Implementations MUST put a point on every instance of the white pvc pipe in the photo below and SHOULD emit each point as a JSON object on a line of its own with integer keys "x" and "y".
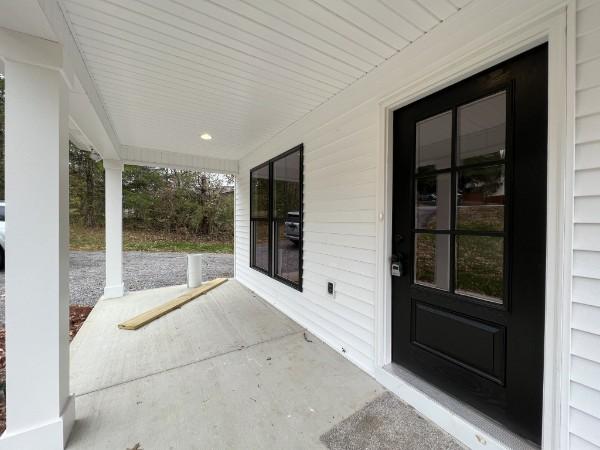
{"x": 194, "y": 270}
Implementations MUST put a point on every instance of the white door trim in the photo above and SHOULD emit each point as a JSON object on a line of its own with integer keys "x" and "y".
{"x": 528, "y": 30}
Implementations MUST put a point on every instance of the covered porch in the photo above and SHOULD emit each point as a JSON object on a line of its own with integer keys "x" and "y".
{"x": 302, "y": 96}
{"x": 227, "y": 370}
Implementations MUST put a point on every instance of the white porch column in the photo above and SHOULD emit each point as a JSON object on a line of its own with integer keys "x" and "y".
{"x": 40, "y": 411}
{"x": 113, "y": 195}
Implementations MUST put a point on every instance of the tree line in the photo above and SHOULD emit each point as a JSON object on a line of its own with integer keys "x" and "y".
{"x": 184, "y": 202}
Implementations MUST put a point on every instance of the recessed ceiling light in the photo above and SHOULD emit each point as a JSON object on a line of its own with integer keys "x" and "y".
{"x": 206, "y": 136}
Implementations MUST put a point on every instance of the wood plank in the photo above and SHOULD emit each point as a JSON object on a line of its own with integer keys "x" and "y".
{"x": 159, "y": 311}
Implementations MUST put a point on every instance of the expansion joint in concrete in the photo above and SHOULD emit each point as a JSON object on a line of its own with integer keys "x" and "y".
{"x": 191, "y": 363}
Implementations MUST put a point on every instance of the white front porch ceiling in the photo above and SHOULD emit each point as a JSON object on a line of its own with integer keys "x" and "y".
{"x": 169, "y": 70}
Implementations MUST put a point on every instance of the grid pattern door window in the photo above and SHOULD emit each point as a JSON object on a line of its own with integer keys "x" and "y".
{"x": 460, "y": 178}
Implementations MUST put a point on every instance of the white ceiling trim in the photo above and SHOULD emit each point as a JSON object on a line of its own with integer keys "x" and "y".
{"x": 158, "y": 158}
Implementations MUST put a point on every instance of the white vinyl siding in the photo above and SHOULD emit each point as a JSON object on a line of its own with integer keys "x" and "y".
{"x": 341, "y": 140}
{"x": 339, "y": 235}
{"x": 585, "y": 315}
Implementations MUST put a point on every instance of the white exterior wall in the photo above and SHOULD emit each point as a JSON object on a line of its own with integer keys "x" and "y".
{"x": 341, "y": 141}
{"x": 341, "y": 184}
{"x": 585, "y": 321}
{"x": 339, "y": 235}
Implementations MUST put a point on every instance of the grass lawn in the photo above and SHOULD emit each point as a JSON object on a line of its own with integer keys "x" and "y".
{"x": 91, "y": 239}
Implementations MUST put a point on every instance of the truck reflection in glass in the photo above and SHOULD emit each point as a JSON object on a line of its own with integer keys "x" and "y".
{"x": 292, "y": 227}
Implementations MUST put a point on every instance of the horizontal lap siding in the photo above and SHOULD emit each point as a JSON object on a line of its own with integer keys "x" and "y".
{"x": 339, "y": 234}
{"x": 585, "y": 315}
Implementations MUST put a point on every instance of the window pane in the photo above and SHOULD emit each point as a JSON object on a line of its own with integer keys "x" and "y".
{"x": 480, "y": 267}
{"x": 433, "y": 202}
{"x": 480, "y": 199}
{"x": 259, "y": 187}
{"x": 288, "y": 251}
{"x": 434, "y": 143}
{"x": 286, "y": 193}
{"x": 260, "y": 236}
{"x": 432, "y": 258}
{"x": 482, "y": 130}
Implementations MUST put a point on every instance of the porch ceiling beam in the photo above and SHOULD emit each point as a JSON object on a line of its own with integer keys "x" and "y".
{"x": 88, "y": 113}
{"x": 25, "y": 48}
{"x": 49, "y": 43}
{"x": 88, "y": 123}
{"x": 140, "y": 156}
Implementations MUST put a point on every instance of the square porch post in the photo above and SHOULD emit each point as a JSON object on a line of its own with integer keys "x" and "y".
{"x": 40, "y": 410}
{"x": 113, "y": 182}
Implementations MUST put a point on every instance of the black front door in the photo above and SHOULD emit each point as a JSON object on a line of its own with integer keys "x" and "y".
{"x": 469, "y": 231}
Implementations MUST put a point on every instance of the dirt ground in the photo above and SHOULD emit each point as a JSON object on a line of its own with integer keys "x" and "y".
{"x": 77, "y": 315}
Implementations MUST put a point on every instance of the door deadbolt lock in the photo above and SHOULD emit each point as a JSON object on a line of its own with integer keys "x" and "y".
{"x": 397, "y": 269}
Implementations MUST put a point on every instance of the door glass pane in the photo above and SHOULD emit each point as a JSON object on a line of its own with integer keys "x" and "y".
{"x": 480, "y": 199}
{"x": 288, "y": 251}
{"x": 480, "y": 267}
{"x": 259, "y": 191}
{"x": 482, "y": 130}
{"x": 434, "y": 143}
{"x": 260, "y": 235}
{"x": 433, "y": 202}
{"x": 432, "y": 257}
{"x": 286, "y": 187}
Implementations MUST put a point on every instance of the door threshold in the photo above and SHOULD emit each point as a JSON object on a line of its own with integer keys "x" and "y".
{"x": 466, "y": 424}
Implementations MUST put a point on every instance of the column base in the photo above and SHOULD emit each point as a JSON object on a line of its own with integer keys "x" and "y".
{"x": 52, "y": 435}
{"x": 114, "y": 291}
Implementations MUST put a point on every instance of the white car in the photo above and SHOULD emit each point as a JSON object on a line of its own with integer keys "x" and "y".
{"x": 2, "y": 235}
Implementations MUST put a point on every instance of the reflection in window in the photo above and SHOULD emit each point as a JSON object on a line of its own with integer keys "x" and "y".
{"x": 431, "y": 260}
{"x": 480, "y": 199}
{"x": 286, "y": 211}
{"x": 482, "y": 130}
{"x": 433, "y": 202}
{"x": 472, "y": 223}
{"x": 260, "y": 244}
{"x": 434, "y": 143}
{"x": 288, "y": 251}
{"x": 480, "y": 267}
{"x": 286, "y": 190}
{"x": 259, "y": 187}
{"x": 278, "y": 183}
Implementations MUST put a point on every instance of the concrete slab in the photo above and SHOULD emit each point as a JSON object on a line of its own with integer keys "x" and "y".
{"x": 225, "y": 319}
{"x": 225, "y": 371}
{"x": 283, "y": 393}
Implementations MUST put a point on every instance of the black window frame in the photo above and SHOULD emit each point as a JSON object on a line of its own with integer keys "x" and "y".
{"x": 455, "y": 168}
{"x": 273, "y": 221}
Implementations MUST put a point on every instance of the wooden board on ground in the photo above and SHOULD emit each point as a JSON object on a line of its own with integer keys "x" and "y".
{"x": 159, "y": 311}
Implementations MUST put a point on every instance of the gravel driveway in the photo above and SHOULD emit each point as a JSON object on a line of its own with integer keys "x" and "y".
{"x": 141, "y": 270}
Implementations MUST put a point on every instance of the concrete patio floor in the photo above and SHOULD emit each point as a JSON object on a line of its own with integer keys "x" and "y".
{"x": 225, "y": 371}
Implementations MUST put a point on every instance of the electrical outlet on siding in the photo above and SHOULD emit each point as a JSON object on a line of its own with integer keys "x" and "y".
{"x": 331, "y": 288}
